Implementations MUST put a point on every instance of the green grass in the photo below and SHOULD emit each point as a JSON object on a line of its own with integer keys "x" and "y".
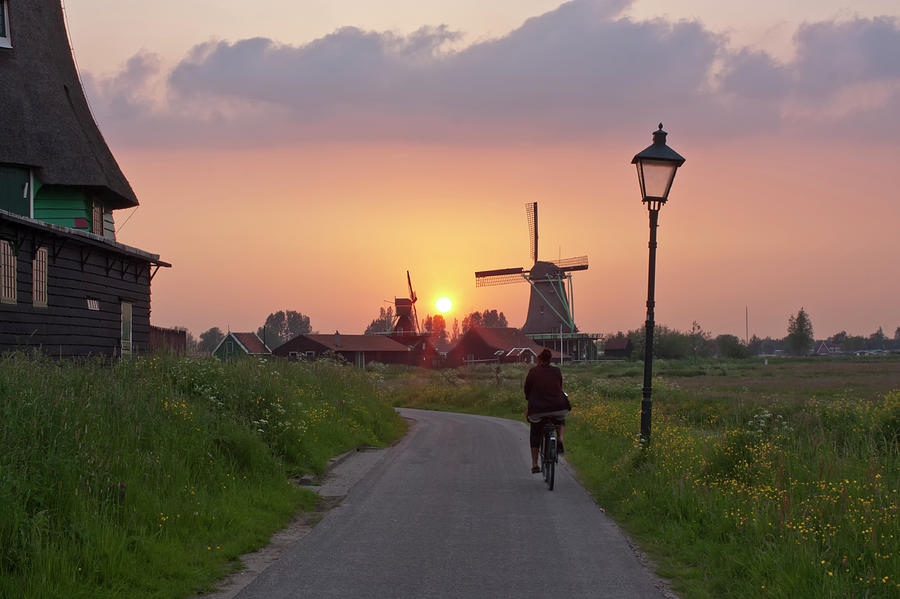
{"x": 149, "y": 477}
{"x": 760, "y": 481}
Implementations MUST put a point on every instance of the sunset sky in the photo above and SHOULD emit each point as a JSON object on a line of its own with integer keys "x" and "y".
{"x": 305, "y": 154}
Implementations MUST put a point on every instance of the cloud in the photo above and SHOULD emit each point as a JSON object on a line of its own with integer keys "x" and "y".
{"x": 126, "y": 95}
{"x": 577, "y": 72}
{"x": 834, "y": 55}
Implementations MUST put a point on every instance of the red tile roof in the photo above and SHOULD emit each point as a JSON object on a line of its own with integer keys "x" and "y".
{"x": 251, "y": 343}
{"x": 341, "y": 342}
{"x": 508, "y": 339}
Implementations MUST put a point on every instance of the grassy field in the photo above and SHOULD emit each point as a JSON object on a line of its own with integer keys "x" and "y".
{"x": 149, "y": 477}
{"x": 775, "y": 480}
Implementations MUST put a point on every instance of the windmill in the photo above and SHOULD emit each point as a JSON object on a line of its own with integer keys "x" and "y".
{"x": 550, "y": 307}
{"x": 405, "y": 318}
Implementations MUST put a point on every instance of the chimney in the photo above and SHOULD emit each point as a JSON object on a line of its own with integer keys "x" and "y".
{"x": 337, "y": 339}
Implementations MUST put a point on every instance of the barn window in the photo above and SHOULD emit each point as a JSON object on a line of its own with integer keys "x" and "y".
{"x": 5, "y": 41}
{"x": 97, "y": 219}
{"x": 310, "y": 355}
{"x": 126, "y": 329}
{"x": 39, "y": 279}
{"x": 93, "y": 304}
{"x": 8, "y": 269}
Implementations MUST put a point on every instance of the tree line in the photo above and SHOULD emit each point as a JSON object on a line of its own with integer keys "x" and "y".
{"x": 799, "y": 341}
{"x": 282, "y": 326}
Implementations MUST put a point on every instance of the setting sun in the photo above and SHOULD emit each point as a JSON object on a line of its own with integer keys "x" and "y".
{"x": 443, "y": 304}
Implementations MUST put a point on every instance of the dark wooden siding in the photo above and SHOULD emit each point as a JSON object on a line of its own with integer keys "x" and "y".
{"x": 76, "y": 272}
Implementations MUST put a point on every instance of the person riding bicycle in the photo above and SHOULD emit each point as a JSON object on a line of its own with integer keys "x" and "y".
{"x": 545, "y": 397}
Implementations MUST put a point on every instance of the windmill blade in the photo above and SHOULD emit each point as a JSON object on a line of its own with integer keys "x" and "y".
{"x": 570, "y": 264}
{"x": 500, "y": 276}
{"x": 531, "y": 215}
{"x": 412, "y": 294}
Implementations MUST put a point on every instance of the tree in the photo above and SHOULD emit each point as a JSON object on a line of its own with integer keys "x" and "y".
{"x": 282, "y": 326}
{"x": 729, "y": 346}
{"x": 454, "y": 337}
{"x": 383, "y": 323}
{"x": 800, "y": 333}
{"x": 210, "y": 339}
{"x": 897, "y": 334}
{"x": 439, "y": 328}
{"x": 191, "y": 345}
{"x": 487, "y": 318}
{"x": 877, "y": 339}
{"x": 700, "y": 341}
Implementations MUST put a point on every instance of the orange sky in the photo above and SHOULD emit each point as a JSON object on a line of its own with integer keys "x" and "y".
{"x": 331, "y": 230}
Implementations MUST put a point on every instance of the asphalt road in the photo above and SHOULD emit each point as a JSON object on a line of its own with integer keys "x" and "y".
{"x": 454, "y": 511}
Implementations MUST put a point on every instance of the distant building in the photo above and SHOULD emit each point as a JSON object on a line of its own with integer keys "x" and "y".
{"x": 67, "y": 287}
{"x": 422, "y": 347}
{"x": 494, "y": 345}
{"x": 359, "y": 350}
{"x": 618, "y": 347}
{"x": 235, "y": 345}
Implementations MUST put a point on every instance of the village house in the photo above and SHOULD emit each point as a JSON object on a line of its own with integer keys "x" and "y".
{"x": 359, "y": 350}
{"x": 494, "y": 345}
{"x": 617, "y": 347}
{"x": 67, "y": 287}
{"x": 235, "y": 345}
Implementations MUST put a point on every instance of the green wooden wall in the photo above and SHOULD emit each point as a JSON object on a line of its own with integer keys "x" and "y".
{"x": 229, "y": 349}
{"x": 61, "y": 206}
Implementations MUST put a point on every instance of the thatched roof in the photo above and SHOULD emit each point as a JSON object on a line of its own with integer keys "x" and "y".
{"x": 45, "y": 122}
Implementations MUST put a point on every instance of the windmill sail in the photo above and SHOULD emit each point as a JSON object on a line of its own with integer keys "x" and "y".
{"x": 531, "y": 215}
{"x": 500, "y": 276}
{"x": 569, "y": 264}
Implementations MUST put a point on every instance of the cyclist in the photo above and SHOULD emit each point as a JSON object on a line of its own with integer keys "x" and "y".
{"x": 545, "y": 397}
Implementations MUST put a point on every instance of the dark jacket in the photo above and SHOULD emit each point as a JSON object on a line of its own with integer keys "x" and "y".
{"x": 543, "y": 390}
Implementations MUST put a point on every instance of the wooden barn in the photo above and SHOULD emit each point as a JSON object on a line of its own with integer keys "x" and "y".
{"x": 359, "y": 350}
{"x": 422, "y": 347}
{"x": 494, "y": 345}
{"x": 67, "y": 287}
{"x": 618, "y": 347}
{"x": 235, "y": 345}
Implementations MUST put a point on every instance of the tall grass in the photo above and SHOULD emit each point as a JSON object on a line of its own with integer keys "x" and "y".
{"x": 760, "y": 481}
{"x": 149, "y": 477}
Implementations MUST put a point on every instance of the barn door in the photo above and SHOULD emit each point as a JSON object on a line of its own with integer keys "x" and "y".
{"x": 126, "y": 329}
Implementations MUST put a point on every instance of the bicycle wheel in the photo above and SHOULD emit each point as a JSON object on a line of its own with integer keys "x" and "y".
{"x": 543, "y": 458}
{"x": 551, "y": 464}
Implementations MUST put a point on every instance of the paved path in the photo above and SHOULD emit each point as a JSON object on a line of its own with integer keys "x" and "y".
{"x": 453, "y": 511}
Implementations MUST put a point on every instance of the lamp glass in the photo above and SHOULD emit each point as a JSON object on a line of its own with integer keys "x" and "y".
{"x": 655, "y": 177}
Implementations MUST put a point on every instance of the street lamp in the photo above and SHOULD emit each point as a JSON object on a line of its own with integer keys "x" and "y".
{"x": 656, "y": 166}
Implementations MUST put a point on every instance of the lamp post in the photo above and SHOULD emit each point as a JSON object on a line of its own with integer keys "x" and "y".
{"x": 656, "y": 166}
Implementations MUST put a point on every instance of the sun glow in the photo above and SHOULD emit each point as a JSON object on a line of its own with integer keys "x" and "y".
{"x": 443, "y": 305}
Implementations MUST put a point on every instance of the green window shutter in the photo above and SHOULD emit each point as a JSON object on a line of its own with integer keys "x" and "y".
{"x": 15, "y": 196}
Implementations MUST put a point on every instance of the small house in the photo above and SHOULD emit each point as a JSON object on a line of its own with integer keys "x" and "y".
{"x": 359, "y": 350}
{"x": 235, "y": 345}
{"x": 494, "y": 345}
{"x": 618, "y": 347}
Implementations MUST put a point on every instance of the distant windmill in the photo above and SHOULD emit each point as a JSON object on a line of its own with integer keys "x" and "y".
{"x": 550, "y": 308}
{"x": 405, "y": 318}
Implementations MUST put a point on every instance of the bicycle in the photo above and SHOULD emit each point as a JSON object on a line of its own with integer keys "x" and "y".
{"x": 547, "y": 451}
